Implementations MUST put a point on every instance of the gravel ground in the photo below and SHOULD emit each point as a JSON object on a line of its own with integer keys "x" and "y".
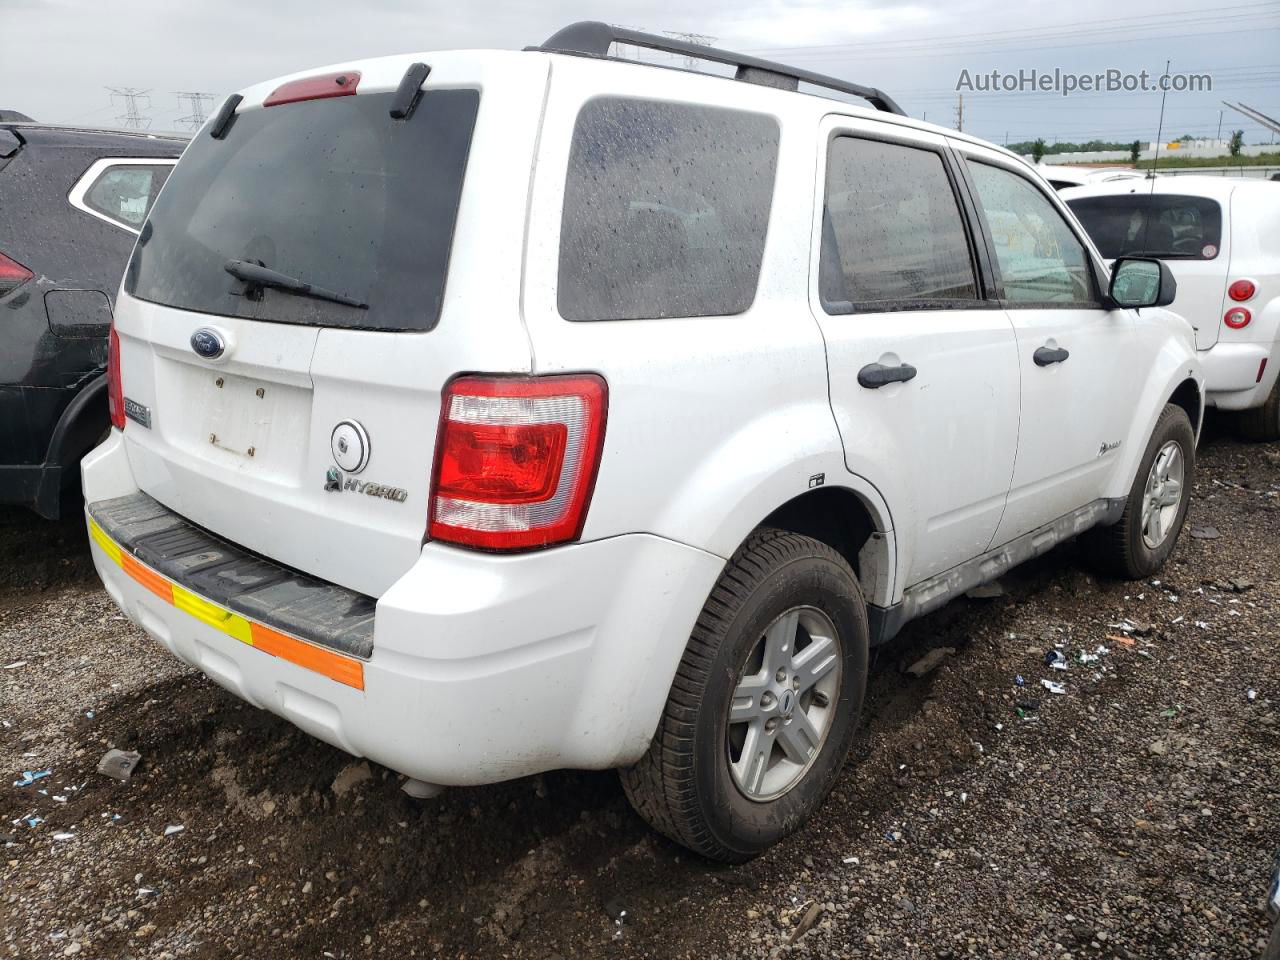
{"x": 1132, "y": 815}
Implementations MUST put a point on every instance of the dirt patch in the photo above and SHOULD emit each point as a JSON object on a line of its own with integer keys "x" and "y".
{"x": 1133, "y": 815}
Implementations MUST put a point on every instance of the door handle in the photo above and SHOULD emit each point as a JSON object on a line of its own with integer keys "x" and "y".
{"x": 1047, "y": 355}
{"x": 875, "y": 375}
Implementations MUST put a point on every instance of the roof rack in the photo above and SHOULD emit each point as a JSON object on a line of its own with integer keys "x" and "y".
{"x": 592, "y": 38}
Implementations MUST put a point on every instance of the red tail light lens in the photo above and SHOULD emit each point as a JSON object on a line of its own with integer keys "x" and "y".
{"x": 115, "y": 390}
{"x": 315, "y": 88}
{"x": 1237, "y": 317}
{"x": 1241, "y": 290}
{"x": 516, "y": 460}
{"x": 12, "y": 274}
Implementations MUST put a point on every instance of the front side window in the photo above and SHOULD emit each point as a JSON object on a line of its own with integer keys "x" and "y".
{"x": 892, "y": 232}
{"x": 1040, "y": 259}
{"x": 1166, "y": 226}
{"x": 124, "y": 193}
{"x": 666, "y": 209}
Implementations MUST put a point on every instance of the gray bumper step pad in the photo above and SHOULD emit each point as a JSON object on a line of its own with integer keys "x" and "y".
{"x": 253, "y": 586}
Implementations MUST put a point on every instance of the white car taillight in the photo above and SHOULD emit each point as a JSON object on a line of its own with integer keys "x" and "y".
{"x": 516, "y": 460}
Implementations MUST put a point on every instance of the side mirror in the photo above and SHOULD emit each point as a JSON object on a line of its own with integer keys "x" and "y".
{"x": 1138, "y": 282}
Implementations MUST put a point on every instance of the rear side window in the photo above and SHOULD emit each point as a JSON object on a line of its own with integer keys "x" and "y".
{"x": 332, "y": 192}
{"x": 1152, "y": 225}
{"x": 665, "y": 212}
{"x": 892, "y": 233}
{"x": 1040, "y": 259}
{"x": 125, "y": 193}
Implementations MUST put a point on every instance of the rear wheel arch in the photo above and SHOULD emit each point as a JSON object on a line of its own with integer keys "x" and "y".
{"x": 847, "y": 522}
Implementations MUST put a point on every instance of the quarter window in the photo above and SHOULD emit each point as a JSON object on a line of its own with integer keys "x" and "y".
{"x": 125, "y": 193}
{"x": 666, "y": 209}
{"x": 1152, "y": 225}
{"x": 892, "y": 232}
{"x": 1040, "y": 259}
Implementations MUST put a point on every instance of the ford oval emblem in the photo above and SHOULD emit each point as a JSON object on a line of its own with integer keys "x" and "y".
{"x": 208, "y": 343}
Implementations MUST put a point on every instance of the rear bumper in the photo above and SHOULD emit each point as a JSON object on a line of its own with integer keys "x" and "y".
{"x": 483, "y": 667}
{"x": 1231, "y": 374}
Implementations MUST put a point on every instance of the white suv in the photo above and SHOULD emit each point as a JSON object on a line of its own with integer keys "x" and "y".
{"x": 484, "y": 413}
{"x": 1221, "y": 239}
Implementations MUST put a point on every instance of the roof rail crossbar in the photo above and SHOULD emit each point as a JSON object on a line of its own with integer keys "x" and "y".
{"x": 593, "y": 38}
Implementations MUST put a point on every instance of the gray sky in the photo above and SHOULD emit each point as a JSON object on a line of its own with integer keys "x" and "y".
{"x": 60, "y": 55}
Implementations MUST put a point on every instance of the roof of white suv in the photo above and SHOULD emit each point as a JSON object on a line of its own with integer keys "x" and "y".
{"x": 1214, "y": 188}
{"x": 383, "y": 73}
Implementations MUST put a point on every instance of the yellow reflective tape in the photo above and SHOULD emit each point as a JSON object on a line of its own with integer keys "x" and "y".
{"x": 215, "y": 616}
{"x": 109, "y": 546}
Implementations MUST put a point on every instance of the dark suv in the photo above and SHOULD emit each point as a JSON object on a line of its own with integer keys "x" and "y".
{"x": 71, "y": 204}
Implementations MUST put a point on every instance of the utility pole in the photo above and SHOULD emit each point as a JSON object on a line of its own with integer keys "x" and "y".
{"x": 1219, "y": 136}
{"x": 199, "y": 103}
{"x": 132, "y": 117}
{"x": 960, "y": 113}
{"x": 625, "y": 50}
{"x": 701, "y": 39}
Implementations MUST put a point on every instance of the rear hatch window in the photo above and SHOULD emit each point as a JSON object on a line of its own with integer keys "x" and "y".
{"x": 1167, "y": 226}
{"x": 331, "y": 192}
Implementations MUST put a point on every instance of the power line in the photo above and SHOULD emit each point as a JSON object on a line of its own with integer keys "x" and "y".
{"x": 132, "y": 98}
{"x": 1042, "y": 31}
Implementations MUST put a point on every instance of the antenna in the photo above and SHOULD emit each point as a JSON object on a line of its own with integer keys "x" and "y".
{"x": 132, "y": 118}
{"x": 1155, "y": 160}
{"x": 199, "y": 103}
{"x": 960, "y": 114}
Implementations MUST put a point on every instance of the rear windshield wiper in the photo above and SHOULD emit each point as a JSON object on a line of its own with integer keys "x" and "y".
{"x": 257, "y": 276}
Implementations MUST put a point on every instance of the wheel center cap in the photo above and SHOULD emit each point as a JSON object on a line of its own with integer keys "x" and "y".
{"x": 786, "y": 704}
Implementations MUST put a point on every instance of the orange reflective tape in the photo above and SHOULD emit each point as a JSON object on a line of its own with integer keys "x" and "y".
{"x": 147, "y": 577}
{"x": 332, "y": 665}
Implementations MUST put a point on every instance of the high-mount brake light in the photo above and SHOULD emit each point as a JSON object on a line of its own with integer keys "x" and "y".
{"x": 12, "y": 274}
{"x": 1237, "y": 318}
{"x": 1241, "y": 290}
{"x": 115, "y": 389}
{"x": 516, "y": 460}
{"x": 315, "y": 88}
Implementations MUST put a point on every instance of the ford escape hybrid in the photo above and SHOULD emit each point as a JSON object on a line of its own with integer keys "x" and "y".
{"x": 484, "y": 413}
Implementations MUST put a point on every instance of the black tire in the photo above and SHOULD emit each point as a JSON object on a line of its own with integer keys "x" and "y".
{"x": 683, "y": 786}
{"x": 1273, "y": 944}
{"x": 1120, "y": 550}
{"x": 1262, "y": 423}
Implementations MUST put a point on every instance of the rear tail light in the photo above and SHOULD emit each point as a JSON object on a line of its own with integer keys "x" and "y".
{"x": 516, "y": 460}
{"x": 1237, "y": 317}
{"x": 12, "y": 274}
{"x": 115, "y": 390}
{"x": 1241, "y": 290}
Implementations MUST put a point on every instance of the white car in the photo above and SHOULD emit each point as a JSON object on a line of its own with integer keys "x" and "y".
{"x": 1063, "y": 177}
{"x": 1221, "y": 239}
{"x": 484, "y": 413}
